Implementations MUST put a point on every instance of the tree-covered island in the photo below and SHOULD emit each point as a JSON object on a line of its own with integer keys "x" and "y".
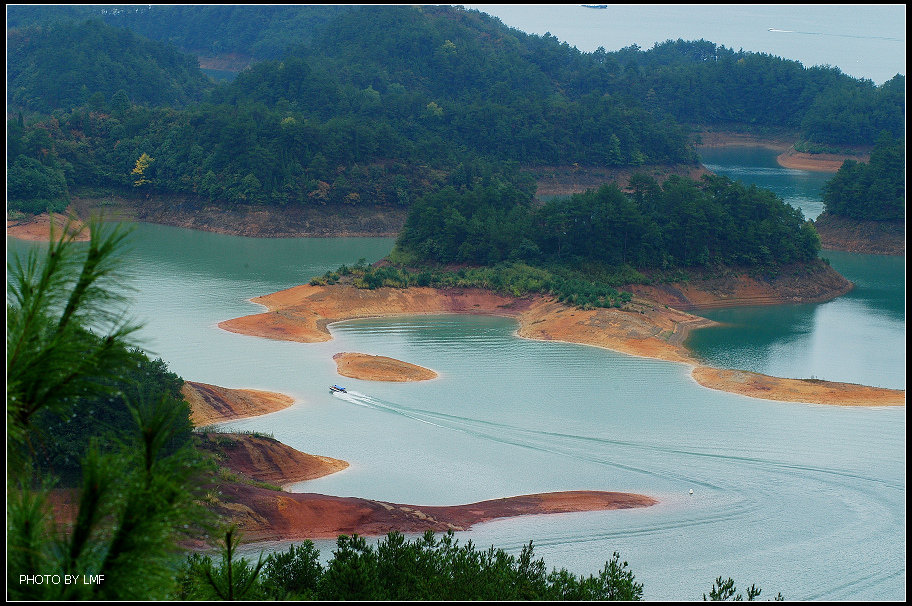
{"x": 436, "y": 115}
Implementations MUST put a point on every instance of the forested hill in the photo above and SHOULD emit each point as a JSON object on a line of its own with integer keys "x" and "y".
{"x": 71, "y": 64}
{"x": 380, "y": 121}
{"x": 703, "y": 83}
{"x": 255, "y": 31}
{"x": 373, "y": 104}
{"x": 696, "y": 82}
{"x": 873, "y": 191}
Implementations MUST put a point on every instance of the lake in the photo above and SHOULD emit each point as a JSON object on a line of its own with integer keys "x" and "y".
{"x": 856, "y": 338}
{"x": 806, "y": 500}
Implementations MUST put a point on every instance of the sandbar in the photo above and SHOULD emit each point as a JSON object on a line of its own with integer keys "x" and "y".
{"x": 380, "y": 368}
{"x": 213, "y": 404}
{"x": 825, "y": 163}
{"x": 267, "y": 515}
{"x": 813, "y": 391}
{"x": 788, "y": 156}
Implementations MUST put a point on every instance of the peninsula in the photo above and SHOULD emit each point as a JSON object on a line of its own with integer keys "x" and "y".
{"x": 249, "y": 494}
{"x": 646, "y": 327}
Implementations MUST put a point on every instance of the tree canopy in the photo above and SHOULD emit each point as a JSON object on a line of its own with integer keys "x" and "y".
{"x": 377, "y": 104}
{"x": 874, "y": 191}
{"x": 682, "y": 223}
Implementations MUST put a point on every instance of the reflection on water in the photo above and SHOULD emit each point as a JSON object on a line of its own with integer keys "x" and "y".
{"x": 777, "y": 487}
{"x": 857, "y": 338}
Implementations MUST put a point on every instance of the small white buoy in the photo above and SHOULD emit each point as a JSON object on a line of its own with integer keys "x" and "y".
{"x": 691, "y": 491}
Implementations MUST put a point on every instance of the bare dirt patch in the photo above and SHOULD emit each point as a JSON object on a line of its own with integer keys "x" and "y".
{"x": 213, "y": 404}
{"x": 266, "y": 459}
{"x": 380, "y": 368}
{"x": 265, "y": 515}
{"x": 813, "y": 391}
{"x": 867, "y": 237}
{"x": 38, "y": 228}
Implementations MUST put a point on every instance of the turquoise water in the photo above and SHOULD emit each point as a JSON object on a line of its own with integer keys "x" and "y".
{"x": 758, "y": 166}
{"x": 801, "y": 499}
{"x": 857, "y": 338}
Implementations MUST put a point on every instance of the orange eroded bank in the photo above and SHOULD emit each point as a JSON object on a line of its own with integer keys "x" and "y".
{"x": 647, "y": 328}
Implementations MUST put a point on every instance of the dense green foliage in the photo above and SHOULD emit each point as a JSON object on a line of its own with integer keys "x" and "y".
{"x": 75, "y": 64}
{"x": 34, "y": 188}
{"x": 723, "y": 591}
{"x": 62, "y": 440}
{"x": 874, "y": 191}
{"x": 428, "y": 568}
{"x": 68, "y": 348}
{"x": 513, "y": 278}
{"x": 488, "y": 234}
{"x": 375, "y": 104}
{"x": 258, "y": 31}
{"x": 707, "y": 84}
{"x": 682, "y": 223}
{"x": 529, "y": 87}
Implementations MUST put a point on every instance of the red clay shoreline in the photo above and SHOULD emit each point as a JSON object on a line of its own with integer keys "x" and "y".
{"x": 265, "y": 514}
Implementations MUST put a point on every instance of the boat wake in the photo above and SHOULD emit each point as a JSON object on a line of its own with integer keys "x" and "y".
{"x": 789, "y": 31}
{"x": 601, "y": 450}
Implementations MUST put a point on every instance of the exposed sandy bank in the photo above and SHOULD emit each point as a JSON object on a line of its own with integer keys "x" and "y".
{"x": 826, "y": 163}
{"x": 265, "y": 515}
{"x": 266, "y": 459}
{"x": 650, "y": 327}
{"x": 213, "y": 404}
{"x": 788, "y": 156}
{"x": 867, "y": 237}
{"x": 380, "y": 368}
{"x": 302, "y": 313}
{"x": 38, "y": 228}
{"x": 797, "y": 390}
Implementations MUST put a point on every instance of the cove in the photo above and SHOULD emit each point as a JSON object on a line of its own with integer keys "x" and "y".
{"x": 800, "y": 499}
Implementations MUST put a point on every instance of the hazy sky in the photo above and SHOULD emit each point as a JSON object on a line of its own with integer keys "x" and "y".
{"x": 863, "y": 41}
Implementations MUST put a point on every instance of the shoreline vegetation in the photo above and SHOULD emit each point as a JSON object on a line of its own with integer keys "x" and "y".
{"x": 384, "y": 221}
{"x": 652, "y": 325}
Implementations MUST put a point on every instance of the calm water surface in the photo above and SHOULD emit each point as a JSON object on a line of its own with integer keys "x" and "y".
{"x": 758, "y": 166}
{"x": 803, "y": 499}
{"x": 858, "y": 338}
